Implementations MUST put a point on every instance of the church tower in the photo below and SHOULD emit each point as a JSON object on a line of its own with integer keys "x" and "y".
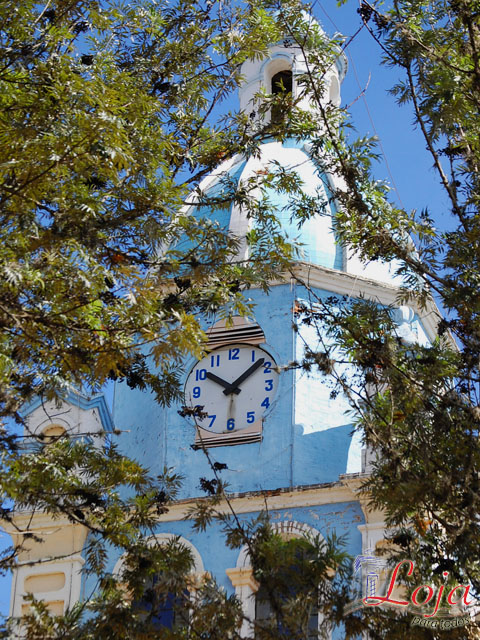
{"x": 283, "y": 441}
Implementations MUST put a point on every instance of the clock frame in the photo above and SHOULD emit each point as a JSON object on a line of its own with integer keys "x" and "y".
{"x": 235, "y": 385}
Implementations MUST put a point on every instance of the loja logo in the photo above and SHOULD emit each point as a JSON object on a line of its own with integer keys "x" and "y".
{"x": 449, "y": 602}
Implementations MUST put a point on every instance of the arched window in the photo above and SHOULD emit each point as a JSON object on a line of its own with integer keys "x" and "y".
{"x": 280, "y": 588}
{"x": 260, "y": 593}
{"x": 163, "y": 602}
{"x": 282, "y": 85}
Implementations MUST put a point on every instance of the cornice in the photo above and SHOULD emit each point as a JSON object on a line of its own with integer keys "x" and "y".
{"x": 273, "y": 499}
{"x": 38, "y": 522}
{"x": 343, "y": 282}
{"x": 351, "y": 285}
{"x": 306, "y": 496}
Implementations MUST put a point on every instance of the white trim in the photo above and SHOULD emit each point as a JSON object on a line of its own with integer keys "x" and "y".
{"x": 166, "y": 537}
{"x": 342, "y": 283}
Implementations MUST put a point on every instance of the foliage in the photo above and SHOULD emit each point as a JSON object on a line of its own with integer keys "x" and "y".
{"x": 111, "y": 114}
{"x": 300, "y": 580}
{"x": 417, "y": 405}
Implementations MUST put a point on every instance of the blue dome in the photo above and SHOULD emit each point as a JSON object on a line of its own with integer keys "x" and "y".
{"x": 315, "y": 236}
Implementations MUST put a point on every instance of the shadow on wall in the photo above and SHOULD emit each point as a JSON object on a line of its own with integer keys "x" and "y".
{"x": 325, "y": 455}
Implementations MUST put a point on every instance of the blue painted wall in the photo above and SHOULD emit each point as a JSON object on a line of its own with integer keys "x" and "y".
{"x": 343, "y": 518}
{"x": 292, "y": 453}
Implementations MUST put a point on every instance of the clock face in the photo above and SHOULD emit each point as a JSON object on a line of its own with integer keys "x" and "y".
{"x": 235, "y": 385}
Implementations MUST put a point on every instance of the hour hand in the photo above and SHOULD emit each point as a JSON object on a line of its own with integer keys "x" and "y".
{"x": 226, "y": 385}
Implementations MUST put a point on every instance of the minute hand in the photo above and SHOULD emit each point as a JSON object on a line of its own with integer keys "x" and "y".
{"x": 243, "y": 377}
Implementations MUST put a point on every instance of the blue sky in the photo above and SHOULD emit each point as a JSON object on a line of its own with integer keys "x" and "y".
{"x": 406, "y": 163}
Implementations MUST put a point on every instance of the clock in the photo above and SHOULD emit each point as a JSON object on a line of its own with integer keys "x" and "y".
{"x": 235, "y": 385}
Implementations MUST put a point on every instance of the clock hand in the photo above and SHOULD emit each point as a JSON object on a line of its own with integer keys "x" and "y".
{"x": 232, "y": 388}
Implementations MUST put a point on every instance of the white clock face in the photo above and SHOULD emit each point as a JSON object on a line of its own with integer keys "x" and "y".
{"x": 235, "y": 385}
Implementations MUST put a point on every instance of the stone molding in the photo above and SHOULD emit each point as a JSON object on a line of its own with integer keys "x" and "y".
{"x": 243, "y": 577}
{"x": 43, "y": 563}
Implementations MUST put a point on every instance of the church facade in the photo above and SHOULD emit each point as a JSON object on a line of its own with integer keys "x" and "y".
{"x": 287, "y": 445}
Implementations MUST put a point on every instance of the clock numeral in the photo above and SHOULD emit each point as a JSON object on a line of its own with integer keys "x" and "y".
{"x": 233, "y": 354}
{"x": 200, "y": 374}
{"x": 230, "y": 424}
{"x": 196, "y": 392}
{"x": 212, "y": 420}
{"x": 268, "y": 385}
{"x": 265, "y": 403}
{"x": 250, "y": 417}
{"x": 253, "y": 355}
{"x": 267, "y": 367}
{"x": 215, "y": 361}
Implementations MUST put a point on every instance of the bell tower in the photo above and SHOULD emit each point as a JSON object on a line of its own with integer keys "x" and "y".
{"x": 284, "y": 64}
{"x": 283, "y": 442}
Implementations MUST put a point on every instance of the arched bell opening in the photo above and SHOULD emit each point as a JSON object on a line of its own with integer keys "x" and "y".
{"x": 281, "y": 85}
{"x": 282, "y": 82}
